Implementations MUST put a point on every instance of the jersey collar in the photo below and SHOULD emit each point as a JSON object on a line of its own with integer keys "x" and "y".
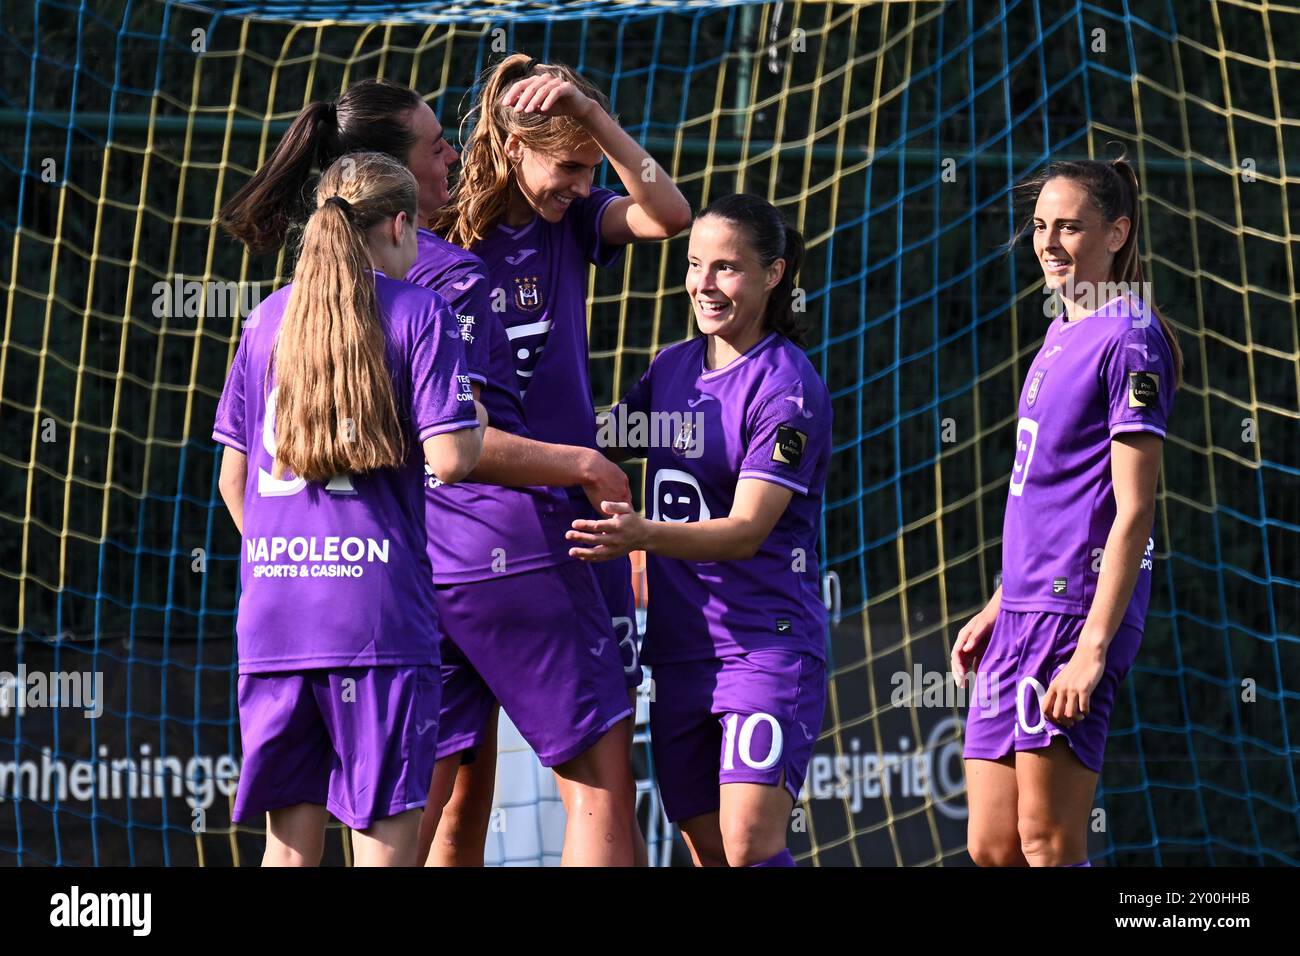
{"x": 708, "y": 374}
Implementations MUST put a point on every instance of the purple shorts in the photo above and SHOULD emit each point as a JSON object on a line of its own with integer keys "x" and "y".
{"x": 540, "y": 643}
{"x": 1025, "y": 652}
{"x": 353, "y": 739}
{"x": 752, "y": 718}
{"x": 614, "y": 578}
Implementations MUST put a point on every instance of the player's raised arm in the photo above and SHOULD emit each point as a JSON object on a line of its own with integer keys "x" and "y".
{"x": 654, "y": 207}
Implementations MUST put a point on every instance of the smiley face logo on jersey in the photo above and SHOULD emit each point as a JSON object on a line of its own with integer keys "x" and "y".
{"x": 1026, "y": 439}
{"x": 678, "y": 498}
{"x": 528, "y": 297}
{"x": 527, "y": 342}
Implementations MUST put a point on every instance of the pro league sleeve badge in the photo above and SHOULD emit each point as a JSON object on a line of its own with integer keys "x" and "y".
{"x": 1143, "y": 388}
{"x": 789, "y": 446}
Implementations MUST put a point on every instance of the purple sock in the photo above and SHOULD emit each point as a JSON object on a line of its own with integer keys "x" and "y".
{"x": 784, "y": 858}
{"x": 1084, "y": 863}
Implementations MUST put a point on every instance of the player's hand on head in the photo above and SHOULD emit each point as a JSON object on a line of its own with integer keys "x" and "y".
{"x": 548, "y": 95}
{"x": 608, "y": 538}
{"x": 1069, "y": 696}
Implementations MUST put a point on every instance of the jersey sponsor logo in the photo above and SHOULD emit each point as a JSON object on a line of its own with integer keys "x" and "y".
{"x": 1035, "y": 383}
{"x": 1139, "y": 348}
{"x": 1026, "y": 439}
{"x": 783, "y": 625}
{"x": 527, "y": 340}
{"x": 466, "y": 323}
{"x": 520, "y": 257}
{"x": 678, "y": 498}
{"x": 1143, "y": 389}
{"x": 1059, "y": 585}
{"x": 700, "y": 400}
{"x": 527, "y": 296}
{"x": 466, "y": 282}
{"x": 789, "y": 446}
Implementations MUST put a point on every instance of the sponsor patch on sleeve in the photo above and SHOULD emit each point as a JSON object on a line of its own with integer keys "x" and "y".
{"x": 1143, "y": 388}
{"x": 789, "y": 446}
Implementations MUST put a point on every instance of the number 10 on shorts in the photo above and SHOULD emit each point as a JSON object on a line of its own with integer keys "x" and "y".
{"x": 730, "y": 744}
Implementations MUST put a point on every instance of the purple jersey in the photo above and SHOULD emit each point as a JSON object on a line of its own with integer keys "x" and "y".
{"x": 478, "y": 530}
{"x": 766, "y": 415}
{"x": 335, "y": 574}
{"x": 538, "y": 276}
{"x": 1094, "y": 378}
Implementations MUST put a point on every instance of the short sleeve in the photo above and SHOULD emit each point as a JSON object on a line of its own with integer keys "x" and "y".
{"x": 228, "y": 428}
{"x": 442, "y": 399}
{"x": 588, "y": 217}
{"x": 788, "y": 435}
{"x": 466, "y": 289}
{"x": 637, "y": 398}
{"x": 1137, "y": 376}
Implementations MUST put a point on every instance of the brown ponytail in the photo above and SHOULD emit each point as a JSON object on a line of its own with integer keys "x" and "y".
{"x": 336, "y": 412}
{"x": 372, "y": 115}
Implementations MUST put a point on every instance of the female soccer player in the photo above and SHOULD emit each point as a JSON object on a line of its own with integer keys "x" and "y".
{"x": 737, "y": 629}
{"x": 483, "y": 538}
{"x": 525, "y": 205}
{"x": 1062, "y": 630}
{"x": 339, "y": 380}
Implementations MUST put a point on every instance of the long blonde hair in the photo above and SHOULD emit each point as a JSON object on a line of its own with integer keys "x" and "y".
{"x": 335, "y": 409}
{"x": 487, "y": 175}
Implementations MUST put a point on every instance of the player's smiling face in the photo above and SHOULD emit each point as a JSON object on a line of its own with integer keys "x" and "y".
{"x": 1073, "y": 244}
{"x": 430, "y": 159}
{"x": 549, "y": 182}
{"x": 727, "y": 283}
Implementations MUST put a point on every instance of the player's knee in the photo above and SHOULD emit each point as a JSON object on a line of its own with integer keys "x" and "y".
{"x": 595, "y": 799}
{"x": 747, "y": 841}
{"x": 281, "y": 855}
{"x": 601, "y": 768}
{"x": 465, "y": 824}
{"x": 995, "y": 849}
{"x": 1044, "y": 842}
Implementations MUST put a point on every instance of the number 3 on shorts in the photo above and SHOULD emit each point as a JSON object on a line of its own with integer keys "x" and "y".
{"x": 731, "y": 745}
